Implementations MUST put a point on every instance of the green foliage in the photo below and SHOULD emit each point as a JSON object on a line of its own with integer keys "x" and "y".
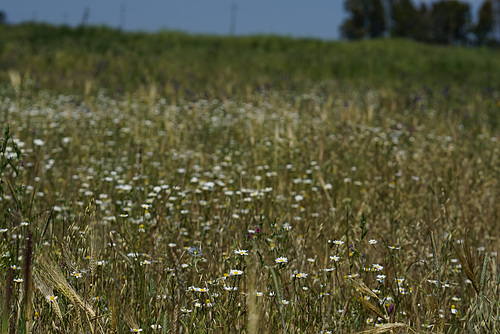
{"x": 484, "y": 27}
{"x": 367, "y": 19}
{"x": 447, "y": 22}
{"x": 84, "y": 60}
{"x": 3, "y": 18}
{"x": 442, "y": 22}
{"x": 405, "y": 18}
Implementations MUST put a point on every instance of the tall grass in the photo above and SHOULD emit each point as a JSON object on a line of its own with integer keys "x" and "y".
{"x": 335, "y": 206}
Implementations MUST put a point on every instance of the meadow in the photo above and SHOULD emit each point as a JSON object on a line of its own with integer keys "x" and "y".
{"x": 169, "y": 183}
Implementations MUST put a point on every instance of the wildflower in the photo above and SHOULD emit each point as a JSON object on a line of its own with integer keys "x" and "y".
{"x": 300, "y": 275}
{"x": 453, "y": 309}
{"x": 235, "y": 272}
{"x": 240, "y": 252}
{"x": 136, "y": 330}
{"x": 281, "y": 260}
{"x": 311, "y": 260}
{"x": 195, "y": 251}
{"x": 334, "y": 258}
{"x": 156, "y": 326}
{"x": 259, "y": 294}
{"x": 337, "y": 242}
{"x": 18, "y": 280}
{"x": 38, "y": 142}
{"x": 372, "y": 241}
{"x": 51, "y": 298}
{"x": 285, "y": 302}
{"x": 377, "y": 267}
{"x": 77, "y": 274}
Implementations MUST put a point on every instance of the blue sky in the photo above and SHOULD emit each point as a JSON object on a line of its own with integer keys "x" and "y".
{"x": 297, "y": 18}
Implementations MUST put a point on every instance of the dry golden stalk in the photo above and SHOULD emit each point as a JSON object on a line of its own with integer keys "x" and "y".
{"x": 46, "y": 291}
{"x": 53, "y": 274}
{"x": 384, "y": 328}
{"x": 465, "y": 258}
{"x": 369, "y": 306}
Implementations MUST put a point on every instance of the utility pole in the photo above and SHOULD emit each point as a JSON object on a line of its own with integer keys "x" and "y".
{"x": 85, "y": 17}
{"x": 234, "y": 12}
{"x": 123, "y": 8}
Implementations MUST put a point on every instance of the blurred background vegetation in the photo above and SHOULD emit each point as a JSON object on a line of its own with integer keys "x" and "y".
{"x": 441, "y": 22}
{"x": 177, "y": 65}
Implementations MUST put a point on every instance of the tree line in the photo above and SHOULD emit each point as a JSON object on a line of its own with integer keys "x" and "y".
{"x": 442, "y": 22}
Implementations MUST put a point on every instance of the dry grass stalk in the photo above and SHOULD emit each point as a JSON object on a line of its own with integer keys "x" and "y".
{"x": 465, "y": 258}
{"x": 47, "y": 291}
{"x": 369, "y": 306}
{"x": 28, "y": 287}
{"x": 361, "y": 287}
{"x": 384, "y": 328}
{"x": 181, "y": 284}
{"x": 251, "y": 301}
{"x": 53, "y": 274}
{"x": 93, "y": 253}
{"x": 175, "y": 320}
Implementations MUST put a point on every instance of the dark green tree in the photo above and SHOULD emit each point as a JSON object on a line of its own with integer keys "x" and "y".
{"x": 3, "y": 17}
{"x": 404, "y": 18}
{"x": 448, "y": 22}
{"x": 367, "y": 18}
{"x": 484, "y": 27}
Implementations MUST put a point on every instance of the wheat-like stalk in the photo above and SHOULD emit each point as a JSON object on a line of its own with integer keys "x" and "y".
{"x": 46, "y": 290}
{"x": 58, "y": 281}
{"x": 369, "y": 306}
{"x": 465, "y": 258}
{"x": 384, "y": 328}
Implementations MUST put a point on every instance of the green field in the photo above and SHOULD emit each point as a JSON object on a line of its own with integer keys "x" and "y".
{"x": 170, "y": 183}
